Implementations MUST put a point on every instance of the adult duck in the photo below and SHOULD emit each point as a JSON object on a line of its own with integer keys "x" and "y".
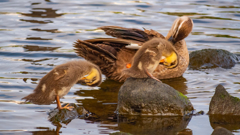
{"x": 113, "y": 55}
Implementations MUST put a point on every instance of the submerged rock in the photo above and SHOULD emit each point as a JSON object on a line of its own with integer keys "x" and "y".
{"x": 149, "y": 97}
{"x": 221, "y": 131}
{"x": 223, "y": 103}
{"x": 212, "y": 58}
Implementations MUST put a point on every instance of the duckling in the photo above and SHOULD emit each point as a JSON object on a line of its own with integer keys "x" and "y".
{"x": 147, "y": 58}
{"x": 60, "y": 79}
{"x": 113, "y": 55}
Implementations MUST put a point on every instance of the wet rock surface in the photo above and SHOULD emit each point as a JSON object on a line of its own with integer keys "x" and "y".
{"x": 149, "y": 97}
{"x": 223, "y": 103}
{"x": 212, "y": 58}
{"x": 221, "y": 131}
{"x": 66, "y": 116}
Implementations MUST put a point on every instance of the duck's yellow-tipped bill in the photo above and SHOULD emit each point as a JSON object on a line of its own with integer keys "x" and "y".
{"x": 83, "y": 78}
{"x": 161, "y": 61}
{"x": 128, "y": 65}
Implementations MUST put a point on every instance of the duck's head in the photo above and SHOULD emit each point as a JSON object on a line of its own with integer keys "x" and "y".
{"x": 93, "y": 78}
{"x": 181, "y": 28}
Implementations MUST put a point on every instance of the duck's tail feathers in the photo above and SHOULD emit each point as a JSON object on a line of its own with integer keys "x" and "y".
{"x": 99, "y": 54}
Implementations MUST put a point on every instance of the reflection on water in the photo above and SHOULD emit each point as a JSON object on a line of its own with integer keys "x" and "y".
{"x": 153, "y": 125}
{"x": 39, "y": 48}
{"x": 104, "y": 102}
{"x": 47, "y": 131}
{"x": 37, "y": 35}
{"x": 229, "y": 122}
{"x": 42, "y": 13}
{"x": 179, "y": 84}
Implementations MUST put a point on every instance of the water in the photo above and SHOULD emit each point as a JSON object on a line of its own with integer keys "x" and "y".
{"x": 37, "y": 35}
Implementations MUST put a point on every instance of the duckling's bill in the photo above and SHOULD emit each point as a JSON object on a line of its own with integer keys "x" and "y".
{"x": 92, "y": 78}
{"x": 171, "y": 61}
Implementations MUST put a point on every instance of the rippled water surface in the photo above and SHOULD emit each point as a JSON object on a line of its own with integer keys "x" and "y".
{"x": 36, "y": 35}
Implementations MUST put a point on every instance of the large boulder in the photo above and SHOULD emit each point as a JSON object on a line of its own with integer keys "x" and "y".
{"x": 223, "y": 103}
{"x": 146, "y": 96}
{"x": 212, "y": 58}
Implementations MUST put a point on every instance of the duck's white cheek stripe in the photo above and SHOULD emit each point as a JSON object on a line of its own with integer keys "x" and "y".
{"x": 179, "y": 27}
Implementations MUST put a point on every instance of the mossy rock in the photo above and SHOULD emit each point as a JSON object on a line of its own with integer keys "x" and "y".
{"x": 223, "y": 103}
{"x": 146, "y": 96}
{"x": 212, "y": 58}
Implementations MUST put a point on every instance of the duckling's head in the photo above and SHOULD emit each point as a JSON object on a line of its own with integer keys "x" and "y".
{"x": 169, "y": 56}
{"x": 181, "y": 28}
{"x": 170, "y": 61}
{"x": 93, "y": 78}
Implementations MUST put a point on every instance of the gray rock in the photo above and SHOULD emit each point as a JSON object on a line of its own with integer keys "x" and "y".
{"x": 149, "y": 97}
{"x": 212, "y": 58}
{"x": 221, "y": 131}
{"x": 223, "y": 103}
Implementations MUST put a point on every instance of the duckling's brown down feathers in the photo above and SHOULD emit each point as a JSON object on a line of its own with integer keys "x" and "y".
{"x": 59, "y": 81}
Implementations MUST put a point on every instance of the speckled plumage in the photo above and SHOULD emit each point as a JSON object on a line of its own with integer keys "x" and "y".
{"x": 60, "y": 80}
{"x": 112, "y": 56}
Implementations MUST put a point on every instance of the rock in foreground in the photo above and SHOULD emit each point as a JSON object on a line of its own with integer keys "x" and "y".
{"x": 212, "y": 58}
{"x": 149, "y": 97}
{"x": 221, "y": 131}
{"x": 224, "y": 104}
